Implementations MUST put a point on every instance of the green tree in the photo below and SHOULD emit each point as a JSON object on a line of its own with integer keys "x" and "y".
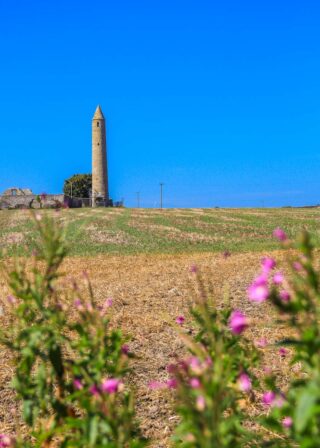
{"x": 78, "y": 185}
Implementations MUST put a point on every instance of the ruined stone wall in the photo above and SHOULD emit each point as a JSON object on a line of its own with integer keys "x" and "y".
{"x": 30, "y": 201}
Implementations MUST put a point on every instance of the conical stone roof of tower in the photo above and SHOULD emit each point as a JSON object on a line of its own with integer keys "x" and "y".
{"x": 98, "y": 115}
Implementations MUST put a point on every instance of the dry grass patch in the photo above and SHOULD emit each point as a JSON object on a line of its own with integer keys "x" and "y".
{"x": 149, "y": 292}
{"x": 174, "y": 233}
{"x": 109, "y": 236}
{"x": 11, "y": 238}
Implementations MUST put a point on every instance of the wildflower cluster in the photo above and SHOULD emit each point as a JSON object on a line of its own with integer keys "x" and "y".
{"x": 259, "y": 290}
{"x": 295, "y": 415}
{"x": 69, "y": 365}
{"x": 214, "y": 382}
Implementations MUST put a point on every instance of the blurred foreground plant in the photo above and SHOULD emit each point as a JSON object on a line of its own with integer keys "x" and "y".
{"x": 296, "y": 416}
{"x": 213, "y": 385}
{"x": 69, "y": 365}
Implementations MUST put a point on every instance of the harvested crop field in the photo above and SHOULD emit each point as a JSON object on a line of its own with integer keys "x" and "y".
{"x": 149, "y": 292}
{"x": 151, "y": 285}
{"x": 120, "y": 231}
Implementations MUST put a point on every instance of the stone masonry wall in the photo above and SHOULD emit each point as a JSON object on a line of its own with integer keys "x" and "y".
{"x": 28, "y": 201}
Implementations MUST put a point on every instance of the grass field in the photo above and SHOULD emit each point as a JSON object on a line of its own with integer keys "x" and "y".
{"x": 133, "y": 231}
{"x": 141, "y": 258}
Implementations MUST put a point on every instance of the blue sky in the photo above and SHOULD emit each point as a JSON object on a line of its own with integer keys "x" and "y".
{"x": 220, "y": 100}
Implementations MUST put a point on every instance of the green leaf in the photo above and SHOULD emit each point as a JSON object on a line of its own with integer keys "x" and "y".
{"x": 93, "y": 431}
{"x": 55, "y": 356}
{"x": 27, "y": 412}
{"x": 304, "y": 408}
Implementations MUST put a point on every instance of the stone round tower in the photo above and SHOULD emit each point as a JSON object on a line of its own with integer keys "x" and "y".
{"x": 99, "y": 160}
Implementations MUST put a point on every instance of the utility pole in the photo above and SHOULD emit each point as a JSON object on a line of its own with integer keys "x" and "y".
{"x": 138, "y": 199}
{"x": 161, "y": 189}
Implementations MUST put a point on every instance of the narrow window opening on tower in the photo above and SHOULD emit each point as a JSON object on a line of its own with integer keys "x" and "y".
{"x": 98, "y": 124}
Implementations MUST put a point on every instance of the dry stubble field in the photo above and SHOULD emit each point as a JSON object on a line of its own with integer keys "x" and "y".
{"x": 151, "y": 284}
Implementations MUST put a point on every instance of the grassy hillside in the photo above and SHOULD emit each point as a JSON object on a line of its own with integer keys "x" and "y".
{"x": 130, "y": 231}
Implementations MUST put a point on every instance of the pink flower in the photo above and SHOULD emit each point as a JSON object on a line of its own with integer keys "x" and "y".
{"x": 244, "y": 382}
{"x": 193, "y": 362}
{"x": 238, "y": 322}
{"x": 182, "y": 365}
{"x": 94, "y": 390}
{"x": 5, "y": 441}
{"x": 200, "y": 403}
{"x": 110, "y": 386}
{"x": 125, "y": 349}
{"x": 77, "y": 384}
{"x": 11, "y": 299}
{"x": 268, "y": 398}
{"x": 89, "y": 307}
{"x": 195, "y": 365}
{"x": 208, "y": 362}
{"x": 267, "y": 370}
{"x": 193, "y": 268}
{"x": 267, "y": 264}
{"x": 172, "y": 383}
{"x": 261, "y": 279}
{"x": 195, "y": 383}
{"x": 108, "y": 302}
{"x": 280, "y": 234}
{"x": 283, "y": 352}
{"x": 279, "y": 401}
{"x": 171, "y": 368}
{"x": 180, "y": 320}
{"x": 278, "y": 278}
{"x": 226, "y": 254}
{"x": 285, "y": 296}
{"x": 261, "y": 343}
{"x": 78, "y": 304}
{"x": 297, "y": 266}
{"x": 258, "y": 291}
{"x": 287, "y": 422}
